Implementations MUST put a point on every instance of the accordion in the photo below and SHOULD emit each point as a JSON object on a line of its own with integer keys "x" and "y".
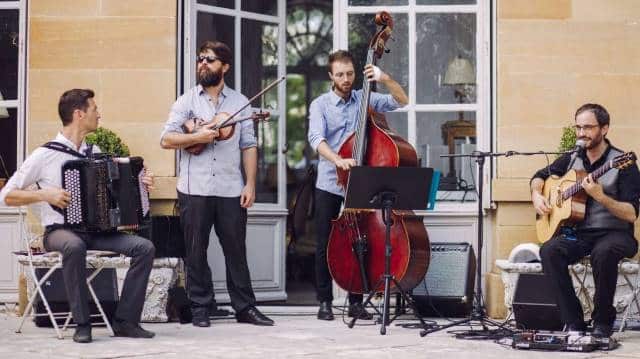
{"x": 107, "y": 194}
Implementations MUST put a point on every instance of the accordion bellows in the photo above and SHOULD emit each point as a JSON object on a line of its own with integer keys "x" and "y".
{"x": 107, "y": 193}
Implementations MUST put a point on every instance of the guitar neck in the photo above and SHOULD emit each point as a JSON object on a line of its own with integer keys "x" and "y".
{"x": 577, "y": 187}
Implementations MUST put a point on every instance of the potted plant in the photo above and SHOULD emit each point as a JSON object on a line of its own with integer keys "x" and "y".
{"x": 108, "y": 142}
{"x": 568, "y": 139}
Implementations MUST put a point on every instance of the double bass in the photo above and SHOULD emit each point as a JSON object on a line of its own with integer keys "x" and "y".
{"x": 356, "y": 248}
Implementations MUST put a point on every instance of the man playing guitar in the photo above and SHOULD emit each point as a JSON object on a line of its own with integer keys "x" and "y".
{"x": 605, "y": 233}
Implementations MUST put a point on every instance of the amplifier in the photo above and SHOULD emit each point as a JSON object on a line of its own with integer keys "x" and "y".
{"x": 166, "y": 235}
{"x": 105, "y": 284}
{"x": 534, "y": 306}
{"x": 447, "y": 289}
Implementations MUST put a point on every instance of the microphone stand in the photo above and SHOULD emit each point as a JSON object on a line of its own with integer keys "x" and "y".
{"x": 478, "y": 313}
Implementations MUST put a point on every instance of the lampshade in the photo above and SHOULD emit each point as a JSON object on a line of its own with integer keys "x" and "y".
{"x": 3, "y": 110}
{"x": 459, "y": 72}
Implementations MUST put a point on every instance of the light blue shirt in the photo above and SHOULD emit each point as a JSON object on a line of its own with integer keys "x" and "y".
{"x": 332, "y": 119}
{"x": 217, "y": 170}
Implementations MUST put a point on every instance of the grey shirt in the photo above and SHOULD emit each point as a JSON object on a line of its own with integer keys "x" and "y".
{"x": 217, "y": 170}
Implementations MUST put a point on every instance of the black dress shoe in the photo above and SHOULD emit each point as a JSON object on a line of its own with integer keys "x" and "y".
{"x": 200, "y": 317}
{"x": 357, "y": 310}
{"x": 253, "y": 316}
{"x": 601, "y": 330}
{"x": 325, "y": 311}
{"x": 82, "y": 334}
{"x": 130, "y": 330}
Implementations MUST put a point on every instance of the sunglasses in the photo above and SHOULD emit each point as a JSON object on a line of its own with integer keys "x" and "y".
{"x": 208, "y": 59}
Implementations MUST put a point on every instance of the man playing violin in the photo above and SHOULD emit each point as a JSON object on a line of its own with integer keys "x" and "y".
{"x": 211, "y": 188}
{"x": 332, "y": 118}
{"x": 606, "y": 233}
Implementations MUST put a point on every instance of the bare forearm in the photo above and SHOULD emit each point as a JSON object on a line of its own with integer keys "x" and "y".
{"x": 622, "y": 210}
{"x": 18, "y": 197}
{"x": 396, "y": 91}
{"x": 250, "y": 164}
{"x": 325, "y": 151}
{"x": 536, "y": 185}
{"x": 174, "y": 140}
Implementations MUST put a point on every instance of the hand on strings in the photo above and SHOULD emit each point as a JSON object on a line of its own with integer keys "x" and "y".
{"x": 373, "y": 73}
{"x": 56, "y": 196}
{"x": 207, "y": 134}
{"x": 540, "y": 203}
{"x": 593, "y": 188}
{"x": 345, "y": 163}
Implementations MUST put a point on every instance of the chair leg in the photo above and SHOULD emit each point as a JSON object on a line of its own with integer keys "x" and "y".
{"x": 43, "y": 298}
{"x": 97, "y": 302}
{"x": 634, "y": 298}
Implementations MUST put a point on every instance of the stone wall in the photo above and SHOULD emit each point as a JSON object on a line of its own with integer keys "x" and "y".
{"x": 552, "y": 57}
{"x": 124, "y": 50}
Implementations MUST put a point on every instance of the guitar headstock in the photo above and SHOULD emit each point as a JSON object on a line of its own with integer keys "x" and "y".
{"x": 624, "y": 160}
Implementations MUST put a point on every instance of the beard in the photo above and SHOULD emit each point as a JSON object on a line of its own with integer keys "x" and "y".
{"x": 345, "y": 89}
{"x": 593, "y": 142}
{"x": 208, "y": 78}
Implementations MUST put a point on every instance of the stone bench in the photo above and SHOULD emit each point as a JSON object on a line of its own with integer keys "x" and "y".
{"x": 163, "y": 277}
{"x": 628, "y": 272}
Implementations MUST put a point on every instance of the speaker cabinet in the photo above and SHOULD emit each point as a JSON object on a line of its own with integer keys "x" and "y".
{"x": 447, "y": 289}
{"x": 534, "y": 306}
{"x": 105, "y": 284}
{"x": 166, "y": 235}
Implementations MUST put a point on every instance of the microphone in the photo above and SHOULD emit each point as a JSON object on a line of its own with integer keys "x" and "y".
{"x": 580, "y": 145}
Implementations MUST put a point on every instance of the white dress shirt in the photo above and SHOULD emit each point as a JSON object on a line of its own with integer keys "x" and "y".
{"x": 44, "y": 168}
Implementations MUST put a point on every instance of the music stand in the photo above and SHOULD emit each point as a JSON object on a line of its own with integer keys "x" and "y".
{"x": 401, "y": 188}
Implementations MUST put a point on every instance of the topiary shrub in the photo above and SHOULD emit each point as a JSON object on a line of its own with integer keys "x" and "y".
{"x": 108, "y": 142}
{"x": 568, "y": 139}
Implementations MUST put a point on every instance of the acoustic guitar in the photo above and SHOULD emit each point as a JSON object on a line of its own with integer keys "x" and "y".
{"x": 567, "y": 199}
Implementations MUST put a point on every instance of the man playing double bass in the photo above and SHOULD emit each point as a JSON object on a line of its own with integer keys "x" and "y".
{"x": 332, "y": 118}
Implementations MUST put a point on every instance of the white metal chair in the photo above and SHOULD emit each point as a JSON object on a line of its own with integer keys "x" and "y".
{"x": 53, "y": 261}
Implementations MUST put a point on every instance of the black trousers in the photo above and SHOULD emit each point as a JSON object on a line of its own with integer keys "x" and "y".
{"x": 229, "y": 220}
{"x": 327, "y": 207}
{"x": 74, "y": 246}
{"x": 607, "y": 248}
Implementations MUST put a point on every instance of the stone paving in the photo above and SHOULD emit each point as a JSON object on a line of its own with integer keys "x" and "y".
{"x": 297, "y": 334}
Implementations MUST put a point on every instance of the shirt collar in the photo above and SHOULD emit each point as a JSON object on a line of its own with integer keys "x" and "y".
{"x": 605, "y": 154}
{"x": 335, "y": 99}
{"x": 65, "y": 141}
{"x": 225, "y": 90}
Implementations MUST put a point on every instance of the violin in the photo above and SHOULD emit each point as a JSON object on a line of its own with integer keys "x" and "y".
{"x": 223, "y": 122}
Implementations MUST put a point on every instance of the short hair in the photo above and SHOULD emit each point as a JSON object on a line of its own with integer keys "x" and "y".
{"x": 222, "y": 51}
{"x": 71, "y": 100}
{"x": 340, "y": 55}
{"x": 597, "y": 110}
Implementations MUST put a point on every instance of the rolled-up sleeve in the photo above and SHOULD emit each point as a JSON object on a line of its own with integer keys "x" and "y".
{"x": 178, "y": 115}
{"x": 317, "y": 128}
{"x": 383, "y": 103}
{"x": 26, "y": 176}
{"x": 247, "y": 132}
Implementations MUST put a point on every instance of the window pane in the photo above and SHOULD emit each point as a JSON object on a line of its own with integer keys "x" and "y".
{"x": 221, "y": 3}
{"x": 446, "y": 58}
{"x": 261, "y": 6}
{"x": 445, "y": 2}
{"x": 440, "y": 133}
{"x": 9, "y": 55}
{"x": 396, "y": 63}
{"x": 377, "y": 2}
{"x": 267, "y": 176}
{"x": 215, "y": 27}
{"x": 259, "y": 68}
{"x": 397, "y": 121}
{"x": 9, "y": 130}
